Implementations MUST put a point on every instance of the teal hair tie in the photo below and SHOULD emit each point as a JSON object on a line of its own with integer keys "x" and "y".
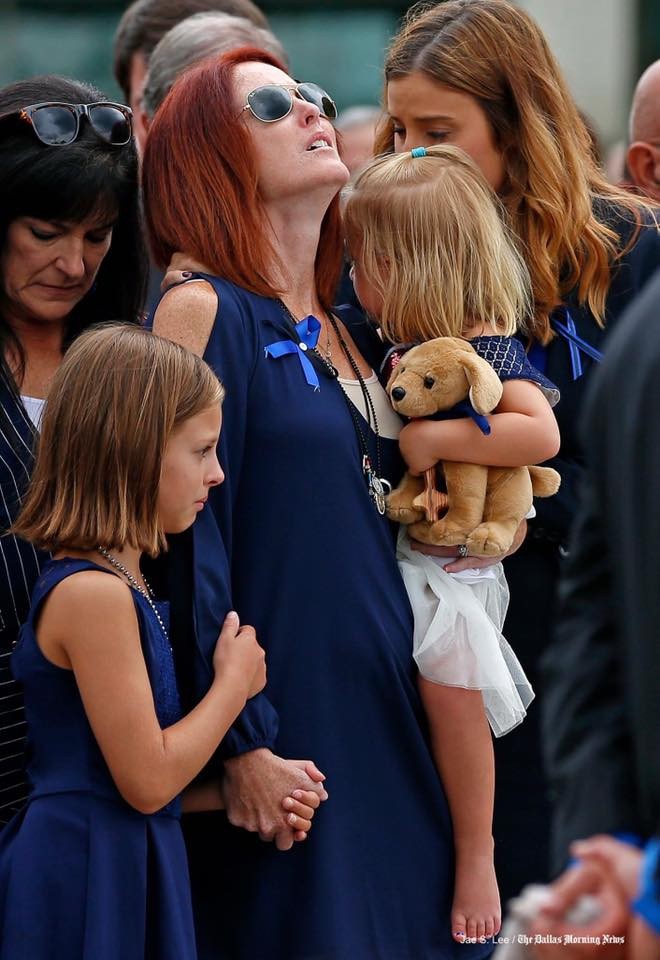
{"x": 418, "y": 152}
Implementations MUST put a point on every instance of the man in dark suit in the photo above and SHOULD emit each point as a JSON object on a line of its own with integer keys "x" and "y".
{"x": 602, "y": 706}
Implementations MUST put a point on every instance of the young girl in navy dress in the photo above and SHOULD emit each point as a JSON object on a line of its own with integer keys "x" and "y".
{"x": 432, "y": 258}
{"x": 95, "y": 866}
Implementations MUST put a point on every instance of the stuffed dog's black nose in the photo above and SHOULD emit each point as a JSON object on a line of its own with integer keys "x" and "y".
{"x": 398, "y": 393}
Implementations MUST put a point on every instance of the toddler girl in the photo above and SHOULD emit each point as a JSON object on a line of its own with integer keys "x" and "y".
{"x": 432, "y": 258}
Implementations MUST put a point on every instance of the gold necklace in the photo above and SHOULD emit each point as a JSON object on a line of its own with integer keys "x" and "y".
{"x": 326, "y": 352}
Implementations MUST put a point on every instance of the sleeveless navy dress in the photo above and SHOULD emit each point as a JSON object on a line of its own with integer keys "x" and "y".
{"x": 84, "y": 876}
{"x": 292, "y": 541}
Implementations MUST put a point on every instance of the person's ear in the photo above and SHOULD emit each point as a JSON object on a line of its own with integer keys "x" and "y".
{"x": 643, "y": 162}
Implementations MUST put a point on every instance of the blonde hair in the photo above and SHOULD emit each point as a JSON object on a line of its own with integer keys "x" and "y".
{"x": 496, "y": 53}
{"x": 117, "y": 397}
{"x": 429, "y": 234}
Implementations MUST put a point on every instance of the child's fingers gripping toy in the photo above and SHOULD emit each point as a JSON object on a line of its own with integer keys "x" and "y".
{"x": 483, "y": 506}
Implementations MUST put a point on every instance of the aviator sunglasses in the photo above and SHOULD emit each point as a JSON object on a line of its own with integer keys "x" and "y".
{"x": 58, "y": 124}
{"x": 274, "y": 101}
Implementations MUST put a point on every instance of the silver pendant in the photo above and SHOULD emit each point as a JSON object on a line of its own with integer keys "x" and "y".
{"x": 378, "y": 487}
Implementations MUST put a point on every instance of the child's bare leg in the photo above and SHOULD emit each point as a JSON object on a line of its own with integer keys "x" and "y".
{"x": 463, "y": 752}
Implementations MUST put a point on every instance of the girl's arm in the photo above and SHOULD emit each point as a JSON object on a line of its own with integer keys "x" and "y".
{"x": 523, "y": 431}
{"x": 89, "y": 624}
{"x": 201, "y": 797}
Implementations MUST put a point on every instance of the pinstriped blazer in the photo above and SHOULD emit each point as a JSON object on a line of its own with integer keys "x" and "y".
{"x": 20, "y": 565}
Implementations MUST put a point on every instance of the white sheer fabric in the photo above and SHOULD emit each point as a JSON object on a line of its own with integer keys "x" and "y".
{"x": 458, "y": 633}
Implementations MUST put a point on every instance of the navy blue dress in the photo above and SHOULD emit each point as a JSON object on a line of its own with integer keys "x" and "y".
{"x": 293, "y": 542}
{"x": 84, "y": 876}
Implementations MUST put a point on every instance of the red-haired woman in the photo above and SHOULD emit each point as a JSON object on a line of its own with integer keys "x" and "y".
{"x": 242, "y": 172}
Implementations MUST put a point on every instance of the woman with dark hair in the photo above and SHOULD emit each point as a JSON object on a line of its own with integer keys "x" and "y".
{"x": 478, "y": 74}
{"x": 297, "y": 542}
{"x": 71, "y": 254}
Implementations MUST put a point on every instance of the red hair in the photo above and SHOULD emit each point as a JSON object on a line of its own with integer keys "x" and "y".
{"x": 200, "y": 185}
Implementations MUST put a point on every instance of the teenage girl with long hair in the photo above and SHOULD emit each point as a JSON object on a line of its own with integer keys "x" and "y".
{"x": 479, "y": 74}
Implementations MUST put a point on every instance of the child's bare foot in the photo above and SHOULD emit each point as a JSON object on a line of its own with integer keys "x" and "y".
{"x": 476, "y": 913}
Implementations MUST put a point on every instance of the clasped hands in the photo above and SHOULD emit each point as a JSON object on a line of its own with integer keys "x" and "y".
{"x": 276, "y": 798}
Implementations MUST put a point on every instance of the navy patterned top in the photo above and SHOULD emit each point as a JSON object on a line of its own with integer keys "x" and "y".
{"x": 508, "y": 358}
{"x": 506, "y": 355}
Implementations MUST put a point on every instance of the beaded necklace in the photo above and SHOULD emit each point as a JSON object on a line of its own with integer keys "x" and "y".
{"x": 148, "y": 594}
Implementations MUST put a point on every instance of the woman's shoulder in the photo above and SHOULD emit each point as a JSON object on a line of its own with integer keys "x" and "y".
{"x": 636, "y": 223}
{"x": 637, "y": 227}
{"x": 204, "y": 294}
{"x": 188, "y": 312}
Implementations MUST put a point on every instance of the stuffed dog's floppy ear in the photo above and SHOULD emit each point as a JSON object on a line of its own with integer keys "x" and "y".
{"x": 485, "y": 386}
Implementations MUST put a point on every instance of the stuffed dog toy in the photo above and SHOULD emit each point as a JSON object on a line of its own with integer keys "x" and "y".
{"x": 485, "y": 505}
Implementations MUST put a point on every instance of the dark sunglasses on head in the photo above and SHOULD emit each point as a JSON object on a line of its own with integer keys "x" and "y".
{"x": 274, "y": 101}
{"x": 57, "y": 124}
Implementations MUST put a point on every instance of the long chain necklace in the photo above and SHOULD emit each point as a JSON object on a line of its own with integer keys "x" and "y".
{"x": 378, "y": 487}
{"x": 148, "y": 594}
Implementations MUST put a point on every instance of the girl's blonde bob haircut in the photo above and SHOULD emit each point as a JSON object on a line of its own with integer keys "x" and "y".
{"x": 113, "y": 405}
{"x": 429, "y": 234}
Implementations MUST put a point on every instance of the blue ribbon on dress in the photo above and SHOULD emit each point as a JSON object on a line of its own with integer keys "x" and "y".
{"x": 576, "y": 345}
{"x": 308, "y": 330}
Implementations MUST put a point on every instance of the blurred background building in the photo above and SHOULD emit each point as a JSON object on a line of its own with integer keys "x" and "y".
{"x": 603, "y": 45}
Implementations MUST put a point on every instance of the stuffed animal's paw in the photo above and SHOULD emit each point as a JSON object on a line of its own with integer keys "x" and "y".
{"x": 441, "y": 533}
{"x": 401, "y": 510}
{"x": 489, "y": 539}
{"x": 405, "y": 515}
{"x": 421, "y": 531}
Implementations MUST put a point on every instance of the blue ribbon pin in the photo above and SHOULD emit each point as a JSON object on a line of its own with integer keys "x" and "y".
{"x": 308, "y": 330}
{"x": 576, "y": 345}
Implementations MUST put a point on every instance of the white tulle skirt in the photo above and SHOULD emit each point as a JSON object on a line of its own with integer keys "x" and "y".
{"x": 458, "y": 633}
